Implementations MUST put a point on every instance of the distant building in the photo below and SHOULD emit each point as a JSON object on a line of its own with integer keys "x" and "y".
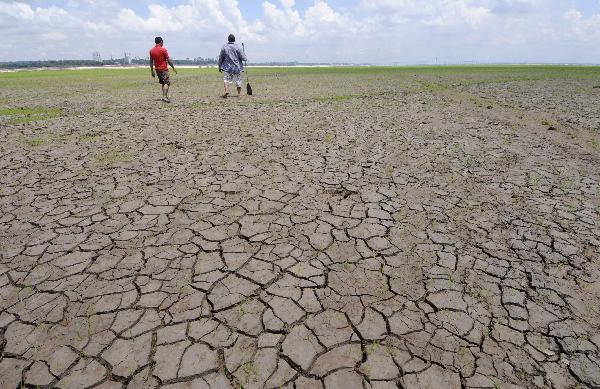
{"x": 127, "y": 58}
{"x": 96, "y": 56}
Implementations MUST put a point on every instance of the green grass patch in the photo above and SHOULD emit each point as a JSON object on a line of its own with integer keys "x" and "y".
{"x": 112, "y": 157}
{"x": 89, "y": 137}
{"x": 110, "y": 75}
{"x": 431, "y": 86}
{"x": 549, "y": 125}
{"x": 337, "y": 97}
{"x": 489, "y": 72}
{"x": 345, "y": 97}
{"x": 34, "y": 142}
{"x": 26, "y": 115}
{"x": 495, "y": 72}
{"x": 507, "y": 139}
{"x": 167, "y": 148}
{"x": 126, "y": 85}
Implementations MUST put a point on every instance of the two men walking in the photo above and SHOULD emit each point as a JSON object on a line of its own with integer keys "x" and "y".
{"x": 231, "y": 62}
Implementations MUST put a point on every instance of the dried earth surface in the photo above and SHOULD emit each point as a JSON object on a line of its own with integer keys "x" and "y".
{"x": 342, "y": 228}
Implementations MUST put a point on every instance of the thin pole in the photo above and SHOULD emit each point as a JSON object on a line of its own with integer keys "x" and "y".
{"x": 245, "y": 62}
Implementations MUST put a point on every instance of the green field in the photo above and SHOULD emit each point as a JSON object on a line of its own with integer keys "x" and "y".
{"x": 46, "y": 91}
{"x": 78, "y": 80}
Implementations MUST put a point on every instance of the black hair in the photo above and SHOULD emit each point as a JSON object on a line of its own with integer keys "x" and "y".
{"x": 157, "y": 40}
{"x": 231, "y": 38}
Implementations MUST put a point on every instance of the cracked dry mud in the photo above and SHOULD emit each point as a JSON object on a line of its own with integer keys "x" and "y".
{"x": 411, "y": 230}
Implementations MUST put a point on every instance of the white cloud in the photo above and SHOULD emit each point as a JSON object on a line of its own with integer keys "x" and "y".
{"x": 321, "y": 15}
{"x": 381, "y": 31}
{"x": 459, "y": 13}
{"x": 160, "y": 17}
{"x": 287, "y": 3}
{"x": 22, "y": 14}
{"x": 587, "y": 29}
{"x": 320, "y": 22}
{"x": 286, "y": 20}
{"x": 54, "y": 36}
{"x": 433, "y": 13}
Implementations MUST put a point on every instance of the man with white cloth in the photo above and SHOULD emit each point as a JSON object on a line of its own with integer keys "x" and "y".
{"x": 231, "y": 61}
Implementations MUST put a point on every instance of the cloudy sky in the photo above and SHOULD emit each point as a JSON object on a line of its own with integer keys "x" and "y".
{"x": 358, "y": 31}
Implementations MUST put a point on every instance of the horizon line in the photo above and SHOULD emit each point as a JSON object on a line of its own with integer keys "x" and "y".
{"x": 297, "y": 63}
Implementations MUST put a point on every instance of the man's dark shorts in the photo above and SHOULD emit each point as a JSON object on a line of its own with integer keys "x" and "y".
{"x": 163, "y": 77}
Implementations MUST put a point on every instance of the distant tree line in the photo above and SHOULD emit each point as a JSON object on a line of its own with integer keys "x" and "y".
{"x": 53, "y": 64}
{"x": 188, "y": 61}
{"x": 88, "y": 62}
{"x": 198, "y": 61}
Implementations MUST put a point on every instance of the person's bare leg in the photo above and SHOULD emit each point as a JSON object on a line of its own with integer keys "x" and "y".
{"x": 239, "y": 89}
{"x": 165, "y": 92}
{"x": 226, "y": 86}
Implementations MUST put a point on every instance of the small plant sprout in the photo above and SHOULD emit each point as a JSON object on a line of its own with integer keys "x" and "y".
{"x": 373, "y": 347}
{"x": 533, "y": 179}
{"x": 389, "y": 170}
{"x": 496, "y": 384}
{"x": 241, "y": 310}
{"x": 347, "y": 263}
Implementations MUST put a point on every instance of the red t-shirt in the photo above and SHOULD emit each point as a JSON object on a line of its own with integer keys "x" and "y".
{"x": 159, "y": 55}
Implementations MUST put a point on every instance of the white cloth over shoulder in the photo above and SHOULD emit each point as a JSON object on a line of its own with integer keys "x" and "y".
{"x": 231, "y": 59}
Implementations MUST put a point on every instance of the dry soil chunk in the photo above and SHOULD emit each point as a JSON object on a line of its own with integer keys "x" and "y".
{"x": 301, "y": 346}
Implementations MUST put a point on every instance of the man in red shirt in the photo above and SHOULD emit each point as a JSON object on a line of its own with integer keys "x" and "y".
{"x": 159, "y": 57}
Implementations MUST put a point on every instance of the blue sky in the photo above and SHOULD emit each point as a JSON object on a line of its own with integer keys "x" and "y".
{"x": 358, "y": 31}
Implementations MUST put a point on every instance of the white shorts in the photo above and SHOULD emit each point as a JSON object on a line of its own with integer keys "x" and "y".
{"x": 231, "y": 77}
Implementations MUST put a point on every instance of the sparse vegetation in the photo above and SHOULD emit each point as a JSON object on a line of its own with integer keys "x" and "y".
{"x": 26, "y": 115}
{"x": 112, "y": 157}
{"x": 89, "y": 137}
{"x": 34, "y": 142}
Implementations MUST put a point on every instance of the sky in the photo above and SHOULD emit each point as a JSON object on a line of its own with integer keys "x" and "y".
{"x": 351, "y": 31}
